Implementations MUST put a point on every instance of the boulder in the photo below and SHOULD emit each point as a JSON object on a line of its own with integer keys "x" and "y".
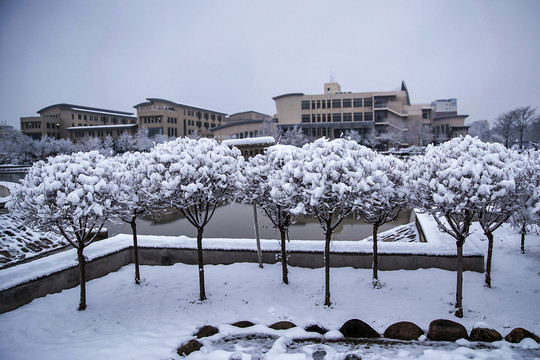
{"x": 189, "y": 347}
{"x": 485, "y": 335}
{"x": 205, "y": 331}
{"x": 355, "y": 328}
{"x": 446, "y": 330}
{"x": 515, "y": 336}
{"x": 316, "y": 328}
{"x": 243, "y": 324}
{"x": 282, "y": 325}
{"x": 403, "y": 330}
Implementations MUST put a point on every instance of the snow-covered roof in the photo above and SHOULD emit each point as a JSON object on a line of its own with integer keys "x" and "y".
{"x": 263, "y": 140}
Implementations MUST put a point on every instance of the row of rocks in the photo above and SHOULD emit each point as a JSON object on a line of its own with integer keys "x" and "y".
{"x": 439, "y": 330}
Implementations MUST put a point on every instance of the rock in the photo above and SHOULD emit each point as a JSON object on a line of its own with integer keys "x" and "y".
{"x": 403, "y": 330}
{"x": 235, "y": 356}
{"x": 319, "y": 354}
{"x": 316, "y": 328}
{"x": 358, "y": 329}
{"x": 282, "y": 325}
{"x": 515, "y": 336}
{"x": 189, "y": 347}
{"x": 352, "y": 357}
{"x": 243, "y": 324}
{"x": 446, "y": 330}
{"x": 485, "y": 335}
{"x": 205, "y": 331}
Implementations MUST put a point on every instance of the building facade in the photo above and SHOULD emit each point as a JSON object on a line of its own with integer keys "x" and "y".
{"x": 172, "y": 119}
{"x": 247, "y": 124}
{"x": 77, "y": 122}
{"x": 334, "y": 112}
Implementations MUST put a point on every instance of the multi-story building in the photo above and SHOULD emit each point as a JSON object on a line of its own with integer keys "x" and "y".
{"x": 446, "y": 121}
{"x": 247, "y": 124}
{"x": 6, "y": 129}
{"x": 334, "y": 112}
{"x": 78, "y": 122}
{"x": 169, "y": 118}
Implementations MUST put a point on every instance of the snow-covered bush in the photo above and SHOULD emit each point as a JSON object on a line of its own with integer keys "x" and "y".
{"x": 73, "y": 195}
{"x": 194, "y": 176}
{"x": 263, "y": 186}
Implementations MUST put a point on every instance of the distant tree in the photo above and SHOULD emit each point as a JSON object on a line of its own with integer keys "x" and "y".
{"x": 480, "y": 129}
{"x": 386, "y": 196}
{"x": 194, "y": 176}
{"x": 125, "y": 142}
{"x": 523, "y": 117}
{"x": 72, "y": 195}
{"x": 333, "y": 179}
{"x": 353, "y": 135}
{"x": 505, "y": 126}
{"x": 294, "y": 137}
{"x": 264, "y": 186}
{"x": 418, "y": 133}
{"x": 446, "y": 182}
{"x": 269, "y": 128}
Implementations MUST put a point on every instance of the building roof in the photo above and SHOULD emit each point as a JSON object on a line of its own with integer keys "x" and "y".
{"x": 248, "y": 112}
{"x": 236, "y": 123}
{"x": 443, "y": 117}
{"x": 85, "y": 108}
{"x": 152, "y": 100}
{"x": 285, "y": 95}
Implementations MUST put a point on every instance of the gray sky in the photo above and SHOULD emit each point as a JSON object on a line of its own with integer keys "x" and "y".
{"x": 234, "y": 56}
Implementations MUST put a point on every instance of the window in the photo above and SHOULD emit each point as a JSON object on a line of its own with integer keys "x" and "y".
{"x": 368, "y": 102}
{"x": 313, "y": 104}
{"x": 336, "y": 118}
{"x": 368, "y": 116}
{"x": 323, "y": 103}
{"x": 48, "y": 125}
{"x": 72, "y": 116}
{"x": 305, "y": 105}
{"x": 425, "y": 114}
{"x": 85, "y": 117}
{"x": 318, "y": 117}
{"x": 323, "y": 117}
{"x": 357, "y": 116}
{"x": 347, "y": 103}
{"x": 357, "y": 102}
{"x": 305, "y": 118}
{"x": 336, "y": 103}
{"x": 79, "y": 116}
{"x": 347, "y": 117}
{"x": 318, "y": 104}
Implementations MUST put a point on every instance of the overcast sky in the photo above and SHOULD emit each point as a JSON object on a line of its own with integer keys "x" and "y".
{"x": 234, "y": 56}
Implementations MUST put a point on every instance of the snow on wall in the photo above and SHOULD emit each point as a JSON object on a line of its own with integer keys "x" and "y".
{"x": 250, "y": 141}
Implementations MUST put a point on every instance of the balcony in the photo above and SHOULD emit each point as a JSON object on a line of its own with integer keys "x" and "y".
{"x": 386, "y": 106}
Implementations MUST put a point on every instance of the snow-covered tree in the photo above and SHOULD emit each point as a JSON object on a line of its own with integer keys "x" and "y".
{"x": 263, "y": 187}
{"x": 497, "y": 196}
{"x": 195, "y": 176}
{"x": 384, "y": 197}
{"x": 132, "y": 177}
{"x": 526, "y": 214}
{"x": 294, "y": 137}
{"x": 333, "y": 179}
{"x": 446, "y": 182}
{"x": 72, "y": 195}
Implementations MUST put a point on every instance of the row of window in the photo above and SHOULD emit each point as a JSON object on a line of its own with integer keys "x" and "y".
{"x": 151, "y": 119}
{"x": 104, "y": 119}
{"x": 171, "y": 120}
{"x": 337, "y": 117}
{"x": 99, "y": 133}
{"x": 53, "y": 126}
{"x": 246, "y": 134}
{"x": 172, "y": 132}
{"x": 32, "y": 125}
{"x": 336, "y": 103}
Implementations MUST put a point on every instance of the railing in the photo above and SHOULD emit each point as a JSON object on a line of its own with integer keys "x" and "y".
{"x": 386, "y": 106}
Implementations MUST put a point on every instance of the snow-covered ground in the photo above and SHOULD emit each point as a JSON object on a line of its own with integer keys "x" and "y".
{"x": 126, "y": 321}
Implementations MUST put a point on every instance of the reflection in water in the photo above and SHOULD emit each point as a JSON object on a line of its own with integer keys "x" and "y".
{"x": 236, "y": 221}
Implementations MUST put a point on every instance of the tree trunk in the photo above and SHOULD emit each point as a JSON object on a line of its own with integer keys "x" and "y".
{"x": 202, "y": 293}
{"x": 257, "y": 236}
{"x": 284, "y": 271}
{"x": 523, "y": 232}
{"x": 375, "y": 257}
{"x": 459, "y": 284}
{"x": 133, "y": 224}
{"x": 328, "y": 237}
{"x": 489, "y": 258}
{"x": 82, "y": 272}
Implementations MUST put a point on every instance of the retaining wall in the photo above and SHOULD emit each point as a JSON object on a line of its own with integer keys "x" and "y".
{"x": 24, "y": 293}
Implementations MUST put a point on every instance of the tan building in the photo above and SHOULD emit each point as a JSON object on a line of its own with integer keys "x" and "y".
{"x": 76, "y": 122}
{"x": 172, "y": 119}
{"x": 335, "y": 111}
{"x": 447, "y": 123}
{"x": 247, "y": 124}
